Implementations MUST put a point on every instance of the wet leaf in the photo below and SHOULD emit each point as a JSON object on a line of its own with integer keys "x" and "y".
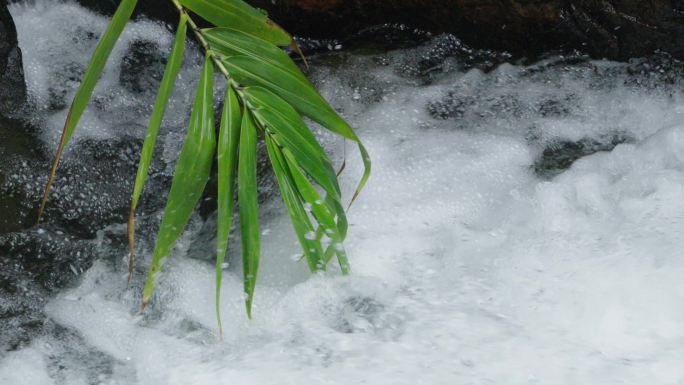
{"x": 299, "y": 93}
{"x": 248, "y": 207}
{"x": 227, "y": 150}
{"x": 304, "y": 229}
{"x": 190, "y": 177}
{"x": 275, "y": 115}
{"x": 329, "y": 214}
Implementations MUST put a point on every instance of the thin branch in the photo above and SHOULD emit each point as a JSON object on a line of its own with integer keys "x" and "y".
{"x": 198, "y": 33}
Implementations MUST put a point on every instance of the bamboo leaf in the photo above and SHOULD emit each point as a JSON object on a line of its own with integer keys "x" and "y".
{"x": 85, "y": 90}
{"x": 231, "y": 42}
{"x": 241, "y": 16}
{"x": 311, "y": 196}
{"x": 285, "y": 123}
{"x": 325, "y": 213}
{"x": 229, "y": 136}
{"x": 301, "y": 94}
{"x": 249, "y": 208}
{"x": 170, "y": 73}
{"x": 300, "y": 220}
{"x": 191, "y": 175}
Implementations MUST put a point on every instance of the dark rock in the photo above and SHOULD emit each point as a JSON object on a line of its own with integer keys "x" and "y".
{"x": 18, "y": 146}
{"x": 154, "y": 9}
{"x": 142, "y": 67}
{"x": 33, "y": 265}
{"x": 560, "y": 155}
{"x": 12, "y": 86}
{"x": 452, "y": 105}
{"x": 614, "y": 29}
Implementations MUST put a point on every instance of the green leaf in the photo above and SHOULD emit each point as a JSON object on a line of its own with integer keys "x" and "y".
{"x": 85, "y": 90}
{"x": 231, "y": 42}
{"x": 324, "y": 212}
{"x": 170, "y": 73}
{"x": 229, "y": 137}
{"x": 249, "y": 207}
{"x": 300, "y": 220}
{"x": 241, "y": 16}
{"x": 275, "y": 115}
{"x": 298, "y": 92}
{"x": 191, "y": 175}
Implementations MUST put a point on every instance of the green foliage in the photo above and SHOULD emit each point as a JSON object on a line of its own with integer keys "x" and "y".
{"x": 266, "y": 95}
{"x": 191, "y": 175}
{"x": 229, "y": 138}
{"x": 170, "y": 73}
{"x": 249, "y": 207}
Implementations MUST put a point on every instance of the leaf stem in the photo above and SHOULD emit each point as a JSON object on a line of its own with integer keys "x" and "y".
{"x": 198, "y": 33}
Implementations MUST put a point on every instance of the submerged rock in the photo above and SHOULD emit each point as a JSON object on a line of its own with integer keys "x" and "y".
{"x": 560, "y": 155}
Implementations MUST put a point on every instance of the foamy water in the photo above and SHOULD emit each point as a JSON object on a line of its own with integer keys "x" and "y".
{"x": 468, "y": 267}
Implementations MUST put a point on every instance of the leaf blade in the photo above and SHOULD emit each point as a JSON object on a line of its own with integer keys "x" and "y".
{"x": 302, "y": 95}
{"x": 227, "y": 150}
{"x": 232, "y": 42}
{"x": 249, "y": 208}
{"x": 325, "y": 213}
{"x": 304, "y": 230}
{"x": 85, "y": 90}
{"x": 190, "y": 177}
{"x": 239, "y": 15}
{"x": 284, "y": 122}
{"x": 168, "y": 80}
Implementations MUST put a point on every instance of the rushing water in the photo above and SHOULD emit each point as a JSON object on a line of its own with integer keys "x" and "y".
{"x": 523, "y": 225}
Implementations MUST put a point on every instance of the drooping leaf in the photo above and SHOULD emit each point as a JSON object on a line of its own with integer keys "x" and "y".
{"x": 231, "y": 42}
{"x": 239, "y": 15}
{"x": 227, "y": 150}
{"x": 290, "y": 130}
{"x": 301, "y": 94}
{"x": 190, "y": 177}
{"x": 311, "y": 246}
{"x": 248, "y": 207}
{"x": 311, "y": 196}
{"x": 170, "y": 73}
{"x": 85, "y": 90}
{"x": 329, "y": 214}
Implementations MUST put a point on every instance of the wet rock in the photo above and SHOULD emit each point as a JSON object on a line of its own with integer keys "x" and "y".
{"x": 142, "y": 67}
{"x": 155, "y": 9}
{"x": 453, "y": 105}
{"x": 34, "y": 264}
{"x": 560, "y": 155}
{"x": 18, "y": 147}
{"x": 444, "y": 54}
{"x": 604, "y": 28}
{"x": 12, "y": 86}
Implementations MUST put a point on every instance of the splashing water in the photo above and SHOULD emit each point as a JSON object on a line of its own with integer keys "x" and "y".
{"x": 523, "y": 225}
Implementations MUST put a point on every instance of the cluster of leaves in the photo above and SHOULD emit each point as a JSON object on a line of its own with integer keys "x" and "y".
{"x": 266, "y": 94}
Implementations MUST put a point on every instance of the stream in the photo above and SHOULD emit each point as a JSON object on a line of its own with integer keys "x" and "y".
{"x": 523, "y": 224}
